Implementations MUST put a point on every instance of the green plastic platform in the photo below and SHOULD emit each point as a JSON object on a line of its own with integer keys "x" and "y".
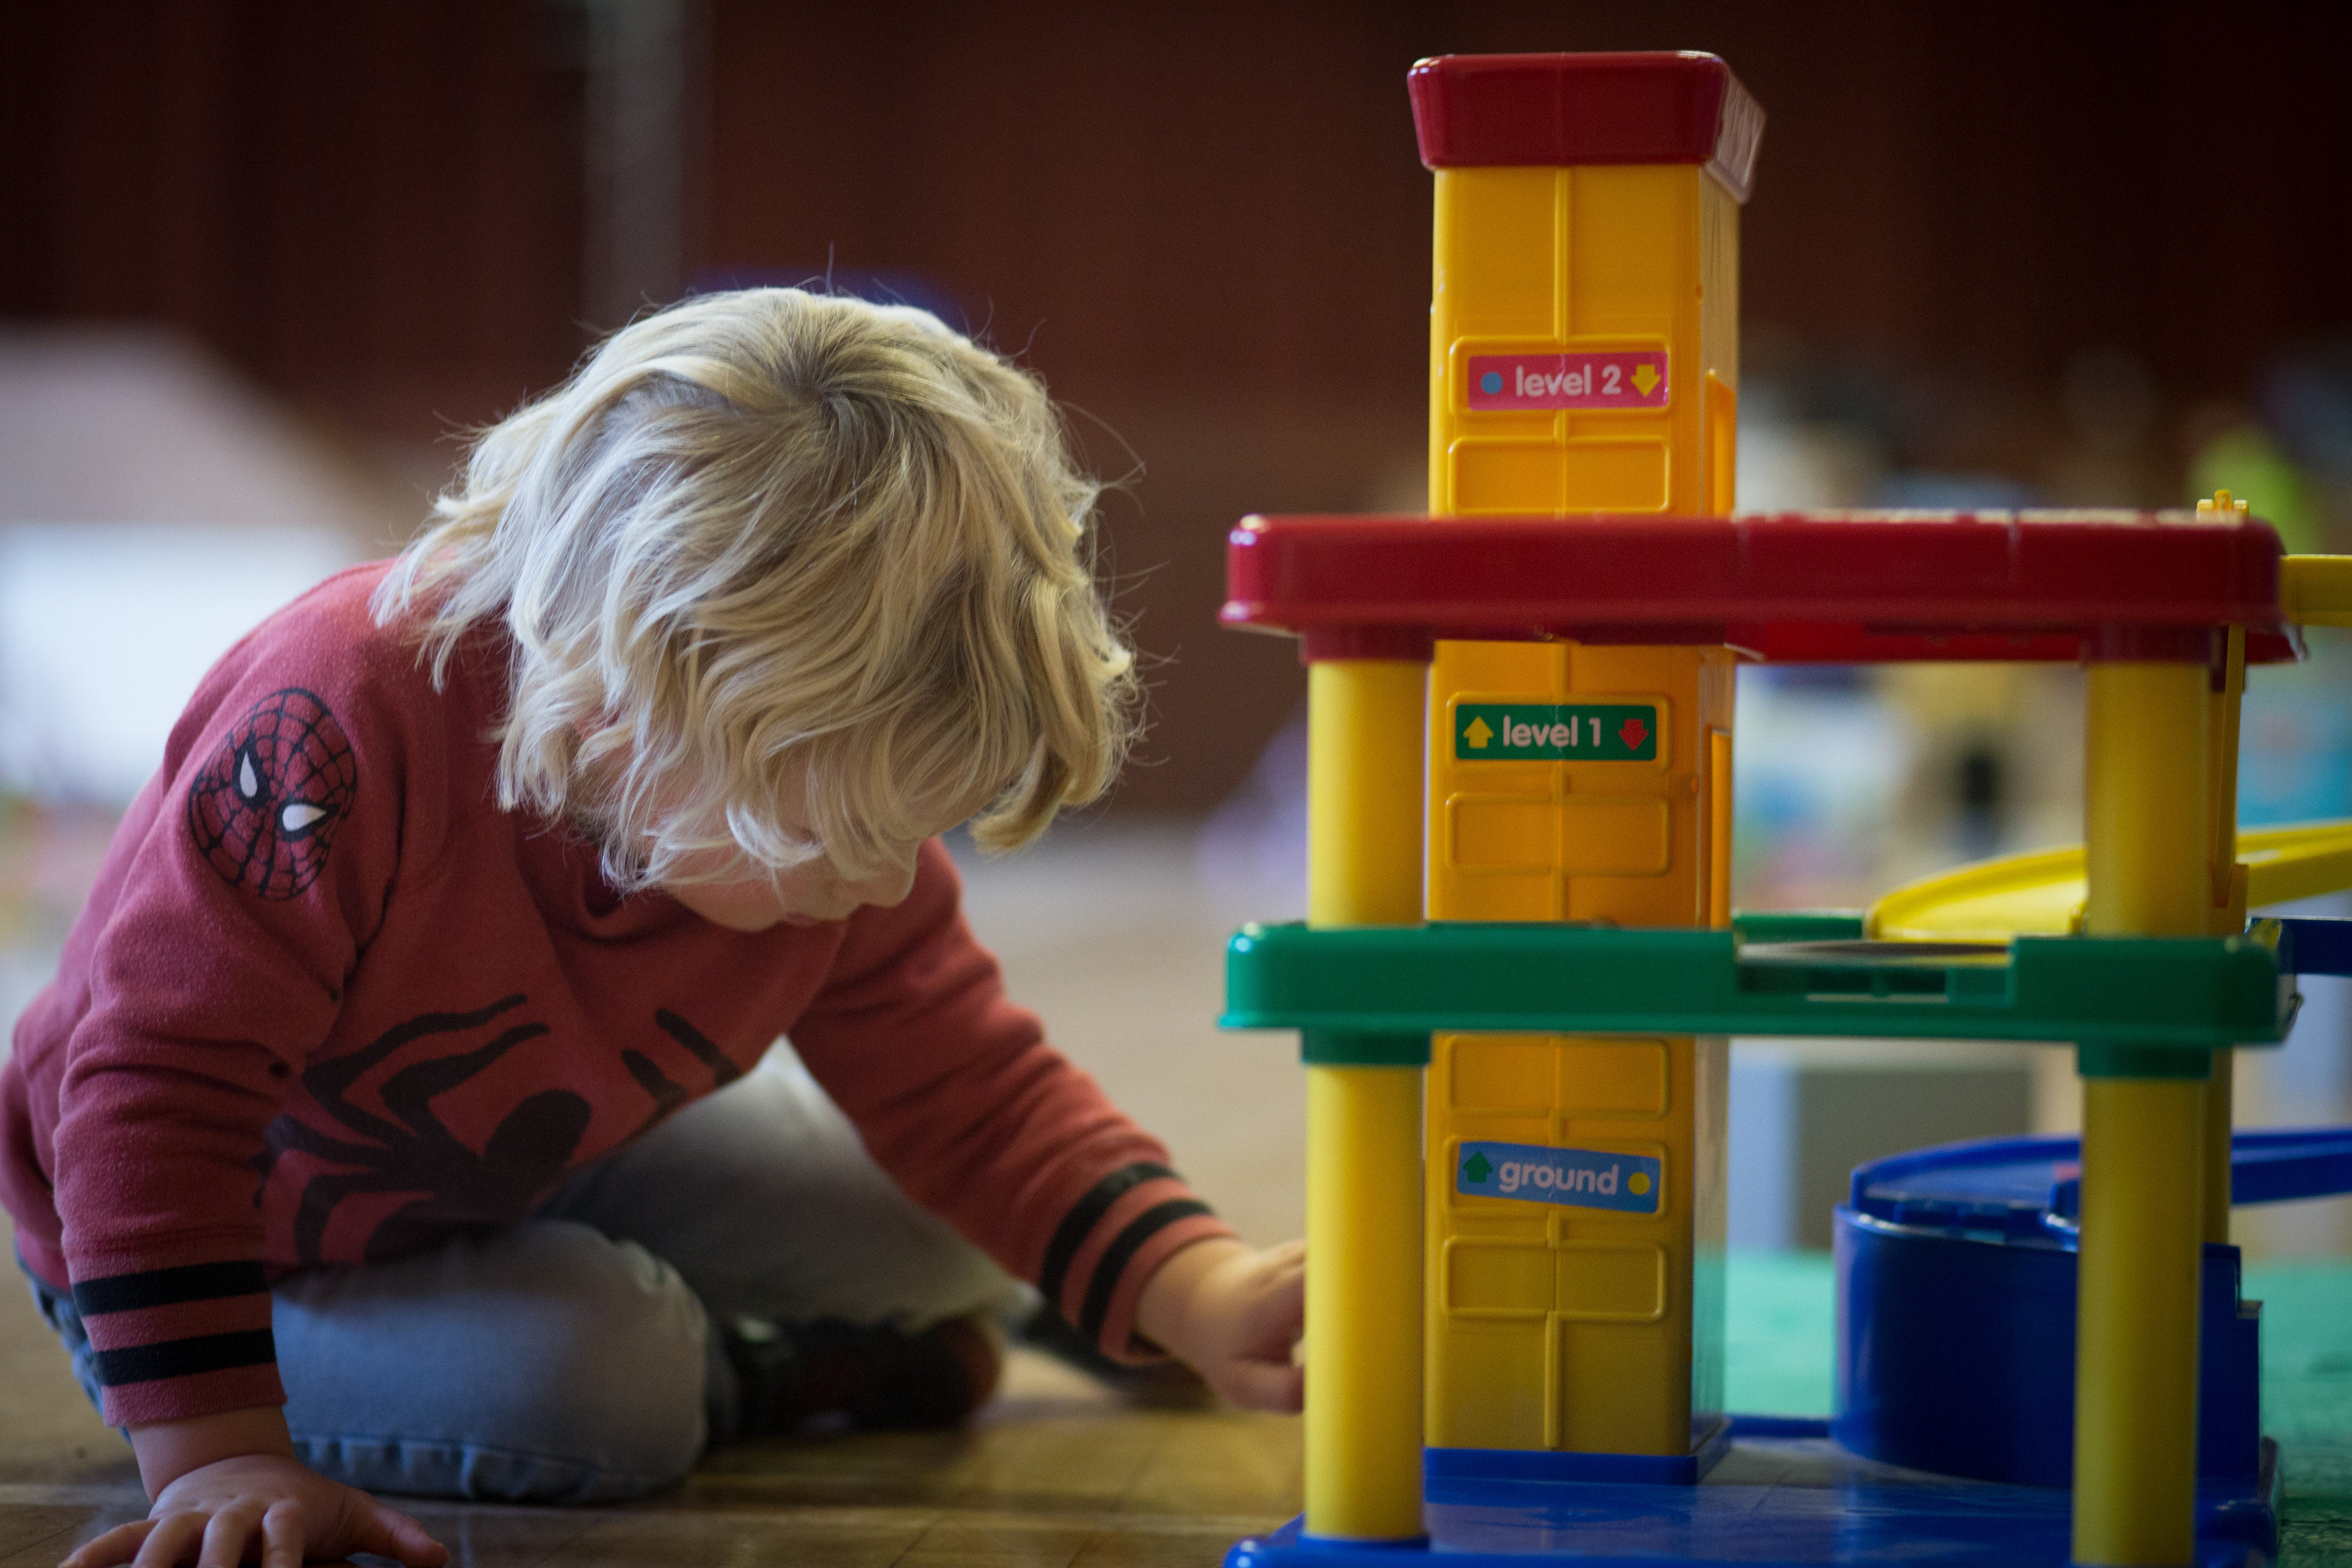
{"x": 2138, "y": 1005}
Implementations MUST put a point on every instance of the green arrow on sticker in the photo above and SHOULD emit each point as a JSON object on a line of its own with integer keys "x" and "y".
{"x": 1478, "y": 734}
{"x": 1476, "y": 1169}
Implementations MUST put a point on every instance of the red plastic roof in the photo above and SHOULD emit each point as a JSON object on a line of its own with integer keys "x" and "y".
{"x": 1841, "y": 587}
{"x": 1555, "y": 110}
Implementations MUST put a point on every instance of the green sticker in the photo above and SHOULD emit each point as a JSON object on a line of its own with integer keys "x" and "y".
{"x": 1556, "y": 733}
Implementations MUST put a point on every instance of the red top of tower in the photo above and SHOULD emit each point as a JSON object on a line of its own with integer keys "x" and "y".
{"x": 1554, "y": 109}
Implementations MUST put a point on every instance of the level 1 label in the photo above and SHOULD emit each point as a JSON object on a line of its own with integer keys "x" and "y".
{"x": 1556, "y": 732}
{"x": 1568, "y": 381}
{"x": 1579, "y": 1178}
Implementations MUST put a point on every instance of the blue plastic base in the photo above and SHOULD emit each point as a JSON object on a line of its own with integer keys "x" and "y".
{"x": 1785, "y": 1496}
{"x": 1548, "y": 1465}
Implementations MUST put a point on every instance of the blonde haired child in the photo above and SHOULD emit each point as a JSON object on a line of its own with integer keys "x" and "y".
{"x": 367, "y": 1138}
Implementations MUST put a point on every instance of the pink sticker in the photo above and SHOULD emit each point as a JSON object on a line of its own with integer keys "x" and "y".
{"x": 1568, "y": 381}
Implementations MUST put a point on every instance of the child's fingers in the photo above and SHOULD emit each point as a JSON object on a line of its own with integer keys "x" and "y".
{"x": 170, "y": 1540}
{"x": 226, "y": 1536}
{"x": 116, "y": 1545}
{"x": 388, "y": 1532}
{"x": 1278, "y": 1315}
{"x": 1284, "y": 1271}
{"x": 1273, "y": 1342}
{"x": 1264, "y": 1386}
{"x": 281, "y": 1536}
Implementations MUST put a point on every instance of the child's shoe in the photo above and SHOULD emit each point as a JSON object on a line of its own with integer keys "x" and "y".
{"x": 869, "y": 1376}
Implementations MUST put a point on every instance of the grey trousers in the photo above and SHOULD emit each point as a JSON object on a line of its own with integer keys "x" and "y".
{"x": 575, "y": 1357}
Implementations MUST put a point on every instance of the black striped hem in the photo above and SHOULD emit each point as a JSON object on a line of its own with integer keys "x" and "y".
{"x": 1122, "y": 1251}
{"x": 186, "y": 1358}
{"x": 168, "y": 1287}
{"x": 1083, "y": 1216}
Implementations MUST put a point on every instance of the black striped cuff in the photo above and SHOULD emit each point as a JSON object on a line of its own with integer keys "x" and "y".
{"x": 1122, "y": 1251}
{"x": 186, "y": 1358}
{"x": 1083, "y": 1216}
{"x": 168, "y": 1287}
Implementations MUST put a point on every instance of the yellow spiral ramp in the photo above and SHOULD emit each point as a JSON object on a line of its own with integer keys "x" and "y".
{"x": 2040, "y": 893}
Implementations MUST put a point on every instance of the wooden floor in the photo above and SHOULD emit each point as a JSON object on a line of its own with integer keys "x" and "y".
{"x": 1055, "y": 1474}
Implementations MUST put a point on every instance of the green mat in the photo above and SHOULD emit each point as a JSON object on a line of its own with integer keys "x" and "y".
{"x": 1781, "y": 1337}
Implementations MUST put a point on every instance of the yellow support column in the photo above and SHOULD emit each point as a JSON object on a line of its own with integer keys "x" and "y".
{"x": 1363, "y": 790}
{"x": 2148, "y": 845}
{"x": 2228, "y": 880}
{"x": 1363, "y": 1122}
{"x": 2136, "y": 1375}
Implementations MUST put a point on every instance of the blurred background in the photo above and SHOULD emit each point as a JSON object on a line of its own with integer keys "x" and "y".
{"x": 262, "y": 265}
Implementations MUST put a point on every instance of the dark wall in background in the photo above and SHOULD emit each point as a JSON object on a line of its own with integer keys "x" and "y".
{"x": 373, "y": 208}
{"x": 1205, "y": 225}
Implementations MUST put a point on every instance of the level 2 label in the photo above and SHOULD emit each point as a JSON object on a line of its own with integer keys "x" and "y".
{"x": 1556, "y": 732}
{"x": 1568, "y": 381}
{"x": 1577, "y": 1178}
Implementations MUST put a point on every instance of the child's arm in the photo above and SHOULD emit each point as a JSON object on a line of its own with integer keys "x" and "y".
{"x": 226, "y": 1479}
{"x": 1234, "y": 1313}
{"x": 959, "y": 1097}
{"x": 241, "y": 889}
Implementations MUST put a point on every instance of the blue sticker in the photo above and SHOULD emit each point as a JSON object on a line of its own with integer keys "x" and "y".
{"x": 1491, "y": 383}
{"x": 1579, "y": 1178}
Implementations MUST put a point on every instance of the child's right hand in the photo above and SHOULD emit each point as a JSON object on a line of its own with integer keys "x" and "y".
{"x": 223, "y": 1509}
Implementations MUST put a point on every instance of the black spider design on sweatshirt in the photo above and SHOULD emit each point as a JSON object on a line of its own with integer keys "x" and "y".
{"x": 523, "y": 1158}
{"x": 264, "y": 812}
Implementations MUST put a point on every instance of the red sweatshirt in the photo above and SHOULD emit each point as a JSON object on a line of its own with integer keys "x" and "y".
{"x": 328, "y": 1005}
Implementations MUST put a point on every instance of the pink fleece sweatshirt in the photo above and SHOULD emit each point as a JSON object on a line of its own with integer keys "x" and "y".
{"x": 328, "y": 1006}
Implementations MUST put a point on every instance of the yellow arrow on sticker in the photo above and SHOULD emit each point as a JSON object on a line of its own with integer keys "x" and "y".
{"x": 1478, "y": 734}
{"x": 1646, "y": 377}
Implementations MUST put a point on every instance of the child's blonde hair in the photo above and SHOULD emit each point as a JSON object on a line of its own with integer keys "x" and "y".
{"x": 785, "y": 573}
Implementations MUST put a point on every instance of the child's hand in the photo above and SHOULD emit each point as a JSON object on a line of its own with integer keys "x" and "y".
{"x": 263, "y": 1505}
{"x": 1233, "y": 1313}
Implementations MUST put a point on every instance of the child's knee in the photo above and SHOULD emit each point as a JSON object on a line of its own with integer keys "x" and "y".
{"x": 607, "y": 1358}
{"x": 548, "y": 1364}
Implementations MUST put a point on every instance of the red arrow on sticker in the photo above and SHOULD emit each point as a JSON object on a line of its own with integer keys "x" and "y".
{"x": 1633, "y": 732}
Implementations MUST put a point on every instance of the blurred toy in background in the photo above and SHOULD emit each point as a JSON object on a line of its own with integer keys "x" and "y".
{"x": 1825, "y": 762}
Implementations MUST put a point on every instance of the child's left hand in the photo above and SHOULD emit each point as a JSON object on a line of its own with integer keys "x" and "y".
{"x": 1234, "y": 1313}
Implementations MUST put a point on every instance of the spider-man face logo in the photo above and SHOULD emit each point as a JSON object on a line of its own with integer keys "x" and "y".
{"x": 265, "y": 809}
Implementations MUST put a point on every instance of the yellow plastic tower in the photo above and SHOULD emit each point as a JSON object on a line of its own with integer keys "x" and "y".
{"x": 1584, "y": 358}
{"x": 1575, "y": 274}
{"x": 1584, "y": 1329}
